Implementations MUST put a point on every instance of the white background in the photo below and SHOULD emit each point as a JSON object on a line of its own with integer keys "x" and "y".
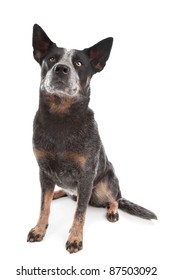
{"x": 132, "y": 100}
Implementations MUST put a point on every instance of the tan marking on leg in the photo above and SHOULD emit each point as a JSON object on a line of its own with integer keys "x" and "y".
{"x": 113, "y": 207}
{"x": 59, "y": 194}
{"x": 41, "y": 154}
{"x": 74, "y": 242}
{"x": 102, "y": 189}
{"x": 78, "y": 158}
{"x": 44, "y": 214}
{"x": 102, "y": 193}
{"x": 112, "y": 211}
{"x": 38, "y": 232}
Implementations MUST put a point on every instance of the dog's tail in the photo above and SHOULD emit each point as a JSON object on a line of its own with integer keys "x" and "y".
{"x": 136, "y": 210}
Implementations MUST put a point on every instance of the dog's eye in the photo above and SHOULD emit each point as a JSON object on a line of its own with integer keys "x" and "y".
{"x": 52, "y": 59}
{"x": 78, "y": 63}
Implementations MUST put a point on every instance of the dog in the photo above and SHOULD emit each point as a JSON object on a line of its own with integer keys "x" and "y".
{"x": 66, "y": 141}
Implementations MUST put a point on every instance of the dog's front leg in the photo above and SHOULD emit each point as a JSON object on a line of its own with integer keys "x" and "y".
{"x": 47, "y": 186}
{"x": 75, "y": 239}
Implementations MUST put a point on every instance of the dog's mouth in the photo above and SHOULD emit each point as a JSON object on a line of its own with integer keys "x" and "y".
{"x": 59, "y": 84}
{"x": 59, "y": 88}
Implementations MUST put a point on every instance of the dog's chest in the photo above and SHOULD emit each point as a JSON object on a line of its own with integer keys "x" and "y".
{"x": 64, "y": 168}
{"x": 61, "y": 154}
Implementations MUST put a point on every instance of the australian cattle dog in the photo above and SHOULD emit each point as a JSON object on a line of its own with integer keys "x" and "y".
{"x": 66, "y": 141}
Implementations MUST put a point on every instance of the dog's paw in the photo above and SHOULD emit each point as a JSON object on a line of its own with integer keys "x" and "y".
{"x": 73, "y": 246}
{"x": 112, "y": 217}
{"x": 36, "y": 234}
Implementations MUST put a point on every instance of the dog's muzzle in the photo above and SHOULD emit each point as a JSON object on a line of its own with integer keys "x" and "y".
{"x": 61, "y": 80}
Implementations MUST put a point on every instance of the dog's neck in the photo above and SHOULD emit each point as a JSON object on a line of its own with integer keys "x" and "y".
{"x": 54, "y": 107}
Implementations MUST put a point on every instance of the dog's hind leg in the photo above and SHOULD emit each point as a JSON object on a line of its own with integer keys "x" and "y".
{"x": 62, "y": 193}
{"x": 112, "y": 211}
{"x": 102, "y": 197}
{"x": 59, "y": 194}
{"x": 106, "y": 193}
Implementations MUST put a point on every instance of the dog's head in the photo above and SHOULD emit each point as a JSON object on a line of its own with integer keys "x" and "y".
{"x": 67, "y": 73}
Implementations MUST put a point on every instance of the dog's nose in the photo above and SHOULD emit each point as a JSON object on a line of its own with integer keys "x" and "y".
{"x": 62, "y": 69}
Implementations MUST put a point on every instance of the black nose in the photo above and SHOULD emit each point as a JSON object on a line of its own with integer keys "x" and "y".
{"x": 62, "y": 69}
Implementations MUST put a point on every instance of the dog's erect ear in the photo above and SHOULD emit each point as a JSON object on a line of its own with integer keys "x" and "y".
{"x": 99, "y": 54}
{"x": 41, "y": 43}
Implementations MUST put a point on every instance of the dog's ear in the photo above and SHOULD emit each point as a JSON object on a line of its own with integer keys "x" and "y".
{"x": 99, "y": 54}
{"x": 41, "y": 43}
